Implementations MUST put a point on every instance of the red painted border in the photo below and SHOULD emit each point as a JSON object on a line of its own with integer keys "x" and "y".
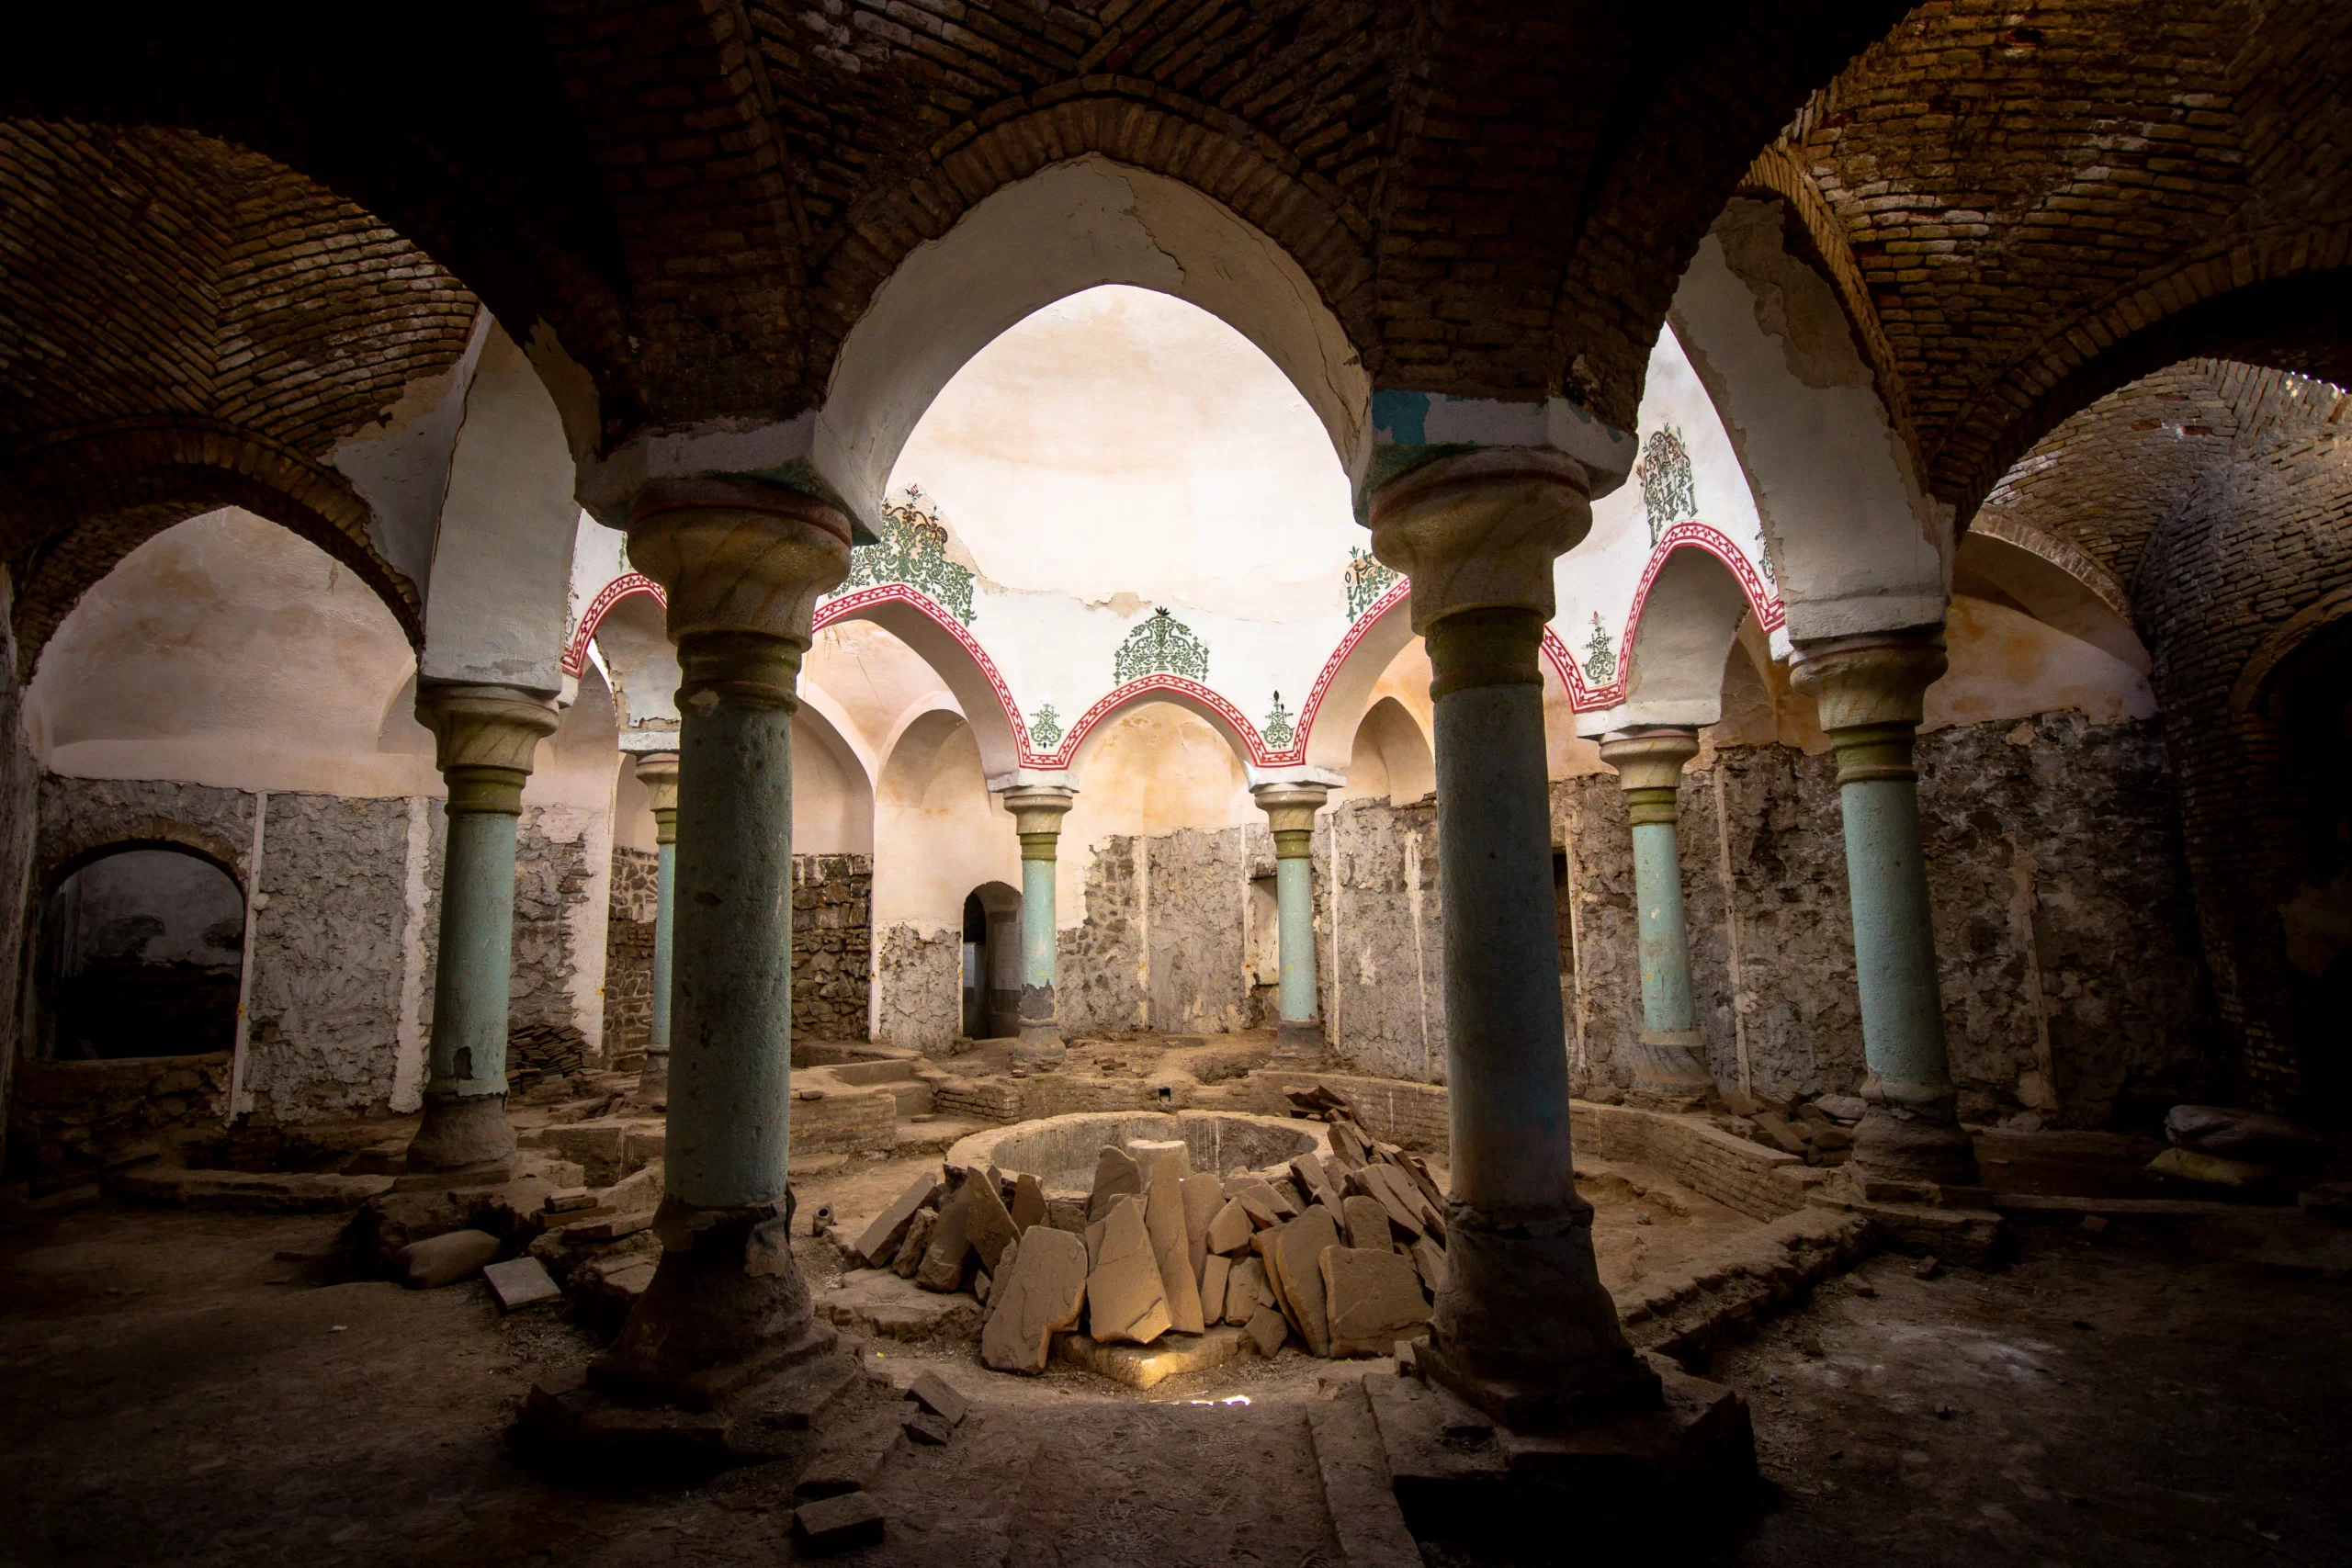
{"x": 1770, "y": 613}
{"x": 627, "y": 585}
{"x": 847, "y": 606}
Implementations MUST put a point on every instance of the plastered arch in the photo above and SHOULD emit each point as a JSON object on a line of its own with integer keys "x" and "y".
{"x": 1682, "y": 633}
{"x": 1066, "y": 227}
{"x": 1086, "y": 736}
{"x": 1335, "y": 709}
{"x": 953, "y": 655}
{"x": 1857, "y": 542}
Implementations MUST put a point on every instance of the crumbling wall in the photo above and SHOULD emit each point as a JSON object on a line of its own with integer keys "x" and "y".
{"x": 832, "y": 945}
{"x": 67, "y": 1118}
{"x": 1199, "y": 883}
{"x": 555, "y": 891}
{"x": 631, "y": 903}
{"x": 918, "y": 985}
{"x": 1380, "y": 962}
{"x": 1099, "y": 962}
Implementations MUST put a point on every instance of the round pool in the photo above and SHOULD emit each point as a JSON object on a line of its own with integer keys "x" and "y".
{"x": 1060, "y": 1151}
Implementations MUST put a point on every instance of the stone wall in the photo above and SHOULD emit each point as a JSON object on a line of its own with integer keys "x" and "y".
{"x": 559, "y": 915}
{"x": 631, "y": 902}
{"x": 832, "y": 945}
{"x": 67, "y": 1119}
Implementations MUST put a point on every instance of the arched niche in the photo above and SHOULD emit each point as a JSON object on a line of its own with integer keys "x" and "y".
{"x": 140, "y": 953}
{"x": 833, "y": 799}
{"x": 1391, "y": 760}
{"x": 1683, "y": 632}
{"x": 1068, "y": 227}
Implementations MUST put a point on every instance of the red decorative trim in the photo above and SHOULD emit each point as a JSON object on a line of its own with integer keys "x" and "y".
{"x": 847, "y": 606}
{"x": 1770, "y": 613}
{"x": 1399, "y": 591}
{"x": 627, "y": 585}
{"x": 1149, "y": 686}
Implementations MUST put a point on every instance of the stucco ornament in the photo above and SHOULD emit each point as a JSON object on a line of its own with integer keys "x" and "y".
{"x": 1045, "y": 728}
{"x": 1599, "y": 659}
{"x": 912, "y": 550}
{"x": 1279, "y": 729}
{"x": 1161, "y": 643}
{"x": 1366, "y": 581}
{"x": 1669, "y": 494}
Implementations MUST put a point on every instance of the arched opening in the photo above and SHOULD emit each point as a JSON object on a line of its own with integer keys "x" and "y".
{"x": 991, "y": 962}
{"x": 141, "y": 954}
{"x": 1392, "y": 760}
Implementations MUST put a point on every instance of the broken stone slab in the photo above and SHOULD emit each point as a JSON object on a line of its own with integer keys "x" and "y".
{"x": 1392, "y": 1188}
{"x": 1289, "y": 1201}
{"x": 916, "y": 1242}
{"x": 610, "y": 1228}
{"x": 1373, "y": 1297}
{"x": 1029, "y": 1206}
{"x": 838, "y": 1524}
{"x": 1145, "y": 1366}
{"x": 1246, "y": 1291}
{"x": 266, "y": 1192}
{"x": 1163, "y": 1166}
{"x": 878, "y": 1303}
{"x": 1126, "y": 1300}
{"x": 1367, "y": 1221}
{"x": 939, "y": 1396}
{"x": 951, "y": 1246}
{"x": 1231, "y": 1229}
{"x": 1428, "y": 1258}
{"x": 1357, "y": 1490}
{"x": 445, "y": 1259}
{"x": 1041, "y": 1296}
{"x": 852, "y": 1456}
{"x": 640, "y": 1190}
{"x": 1847, "y": 1107}
{"x": 1294, "y": 1263}
{"x": 1314, "y": 1180}
{"x": 521, "y": 1281}
{"x": 988, "y": 1224}
{"x": 1348, "y": 1147}
{"x": 879, "y": 1242}
{"x": 1203, "y": 1198}
{"x": 1115, "y": 1176}
{"x": 922, "y": 1427}
{"x": 1260, "y": 1203}
{"x": 1267, "y": 1330}
{"x": 1216, "y": 1274}
{"x": 563, "y": 1200}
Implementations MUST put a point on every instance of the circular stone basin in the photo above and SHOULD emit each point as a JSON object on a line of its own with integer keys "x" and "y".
{"x": 1060, "y": 1151}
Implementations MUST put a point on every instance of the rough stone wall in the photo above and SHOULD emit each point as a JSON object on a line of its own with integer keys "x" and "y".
{"x": 1099, "y": 970}
{"x": 628, "y": 952}
{"x": 1381, "y": 963}
{"x": 554, "y": 873}
{"x": 1196, "y": 915}
{"x": 67, "y": 1117}
{"x": 919, "y": 979}
{"x": 2054, "y": 868}
{"x": 832, "y": 945}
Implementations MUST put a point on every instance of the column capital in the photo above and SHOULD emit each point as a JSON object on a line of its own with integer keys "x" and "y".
{"x": 1290, "y": 807}
{"x": 743, "y": 564}
{"x": 658, "y": 771}
{"x": 1870, "y": 692}
{"x": 1038, "y": 812}
{"x": 1480, "y": 530}
{"x": 483, "y": 742}
{"x": 1649, "y": 762}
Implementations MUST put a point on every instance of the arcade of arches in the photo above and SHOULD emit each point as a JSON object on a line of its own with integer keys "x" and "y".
{"x": 1487, "y": 760}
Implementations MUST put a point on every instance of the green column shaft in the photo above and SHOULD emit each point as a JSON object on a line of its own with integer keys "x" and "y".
{"x": 1895, "y": 942}
{"x": 475, "y": 963}
{"x": 731, "y": 1042}
{"x": 666, "y": 918}
{"x": 1036, "y": 917}
{"x": 1294, "y": 895}
{"x": 1664, "y": 941}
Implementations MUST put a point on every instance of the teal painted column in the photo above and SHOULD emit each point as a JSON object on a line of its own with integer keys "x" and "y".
{"x": 742, "y": 562}
{"x": 658, "y": 771}
{"x": 1291, "y": 806}
{"x": 484, "y": 738}
{"x": 1523, "y": 1328}
{"x": 1670, "y": 1066}
{"x": 1037, "y": 811}
{"x": 1868, "y": 691}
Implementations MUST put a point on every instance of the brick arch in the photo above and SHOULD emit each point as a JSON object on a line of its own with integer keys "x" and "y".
{"x": 1132, "y": 122}
{"x": 75, "y": 851}
{"x": 2283, "y": 302}
{"x": 89, "y": 497}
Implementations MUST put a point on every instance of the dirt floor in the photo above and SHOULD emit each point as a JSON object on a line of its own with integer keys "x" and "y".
{"x": 171, "y": 1393}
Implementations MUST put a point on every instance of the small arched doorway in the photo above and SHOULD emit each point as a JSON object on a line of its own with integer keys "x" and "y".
{"x": 991, "y": 962}
{"x": 143, "y": 949}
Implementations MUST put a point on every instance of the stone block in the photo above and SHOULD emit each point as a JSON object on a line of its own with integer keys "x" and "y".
{"x": 1429, "y": 1258}
{"x": 838, "y": 1524}
{"x": 1267, "y": 1330}
{"x": 1115, "y": 1176}
{"x": 922, "y": 1427}
{"x": 445, "y": 1259}
{"x": 879, "y": 1242}
{"x": 1216, "y": 1274}
{"x": 988, "y": 1224}
{"x": 1373, "y": 1297}
{"x": 946, "y": 1259}
{"x": 1029, "y": 1207}
{"x": 851, "y": 1460}
{"x": 1126, "y": 1300}
{"x": 1041, "y": 1296}
{"x": 1314, "y": 1181}
{"x": 1246, "y": 1291}
{"x": 1357, "y": 1490}
{"x": 1294, "y": 1263}
{"x": 1145, "y": 1366}
{"x": 1231, "y": 1229}
{"x": 1203, "y": 1198}
{"x": 1367, "y": 1222}
{"x": 1163, "y": 1167}
{"x": 916, "y": 1242}
{"x": 521, "y": 1281}
{"x": 939, "y": 1396}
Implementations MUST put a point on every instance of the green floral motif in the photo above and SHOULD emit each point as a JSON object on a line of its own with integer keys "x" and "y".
{"x": 1278, "y": 729}
{"x": 1045, "y": 728}
{"x": 913, "y": 550}
{"x": 1161, "y": 642}
{"x": 1366, "y": 581}
{"x": 1600, "y": 660}
{"x": 1764, "y": 559}
{"x": 1669, "y": 494}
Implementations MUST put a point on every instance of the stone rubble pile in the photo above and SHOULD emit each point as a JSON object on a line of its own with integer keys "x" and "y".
{"x": 1344, "y": 1253}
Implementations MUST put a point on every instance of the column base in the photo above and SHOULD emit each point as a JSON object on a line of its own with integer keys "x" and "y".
{"x": 1911, "y": 1133}
{"x": 653, "y": 1080}
{"x": 1299, "y": 1041}
{"x": 461, "y": 1132}
{"x": 727, "y": 1308}
{"x": 1041, "y": 1044}
{"x": 1671, "y": 1068}
{"x": 1524, "y": 1329}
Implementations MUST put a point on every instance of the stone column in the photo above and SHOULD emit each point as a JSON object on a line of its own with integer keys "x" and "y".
{"x": 1672, "y": 1065}
{"x": 1291, "y": 807}
{"x": 742, "y": 562}
{"x": 658, "y": 771}
{"x": 1868, "y": 691}
{"x": 1523, "y": 1328}
{"x": 1039, "y": 810}
{"x": 483, "y": 740}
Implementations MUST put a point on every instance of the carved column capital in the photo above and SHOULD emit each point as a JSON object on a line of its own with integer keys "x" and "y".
{"x": 1869, "y": 694}
{"x": 483, "y": 742}
{"x": 1650, "y": 767}
{"x": 1038, "y": 812}
{"x": 658, "y": 771}
{"x": 1290, "y": 808}
{"x": 1481, "y": 530}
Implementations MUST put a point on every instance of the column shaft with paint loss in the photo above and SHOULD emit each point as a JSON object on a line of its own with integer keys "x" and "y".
{"x": 658, "y": 771}
{"x": 1291, "y": 809}
{"x": 742, "y": 562}
{"x": 1523, "y": 1327}
{"x": 1868, "y": 691}
{"x": 483, "y": 740}
{"x": 1039, "y": 810}
{"x": 1672, "y": 1062}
